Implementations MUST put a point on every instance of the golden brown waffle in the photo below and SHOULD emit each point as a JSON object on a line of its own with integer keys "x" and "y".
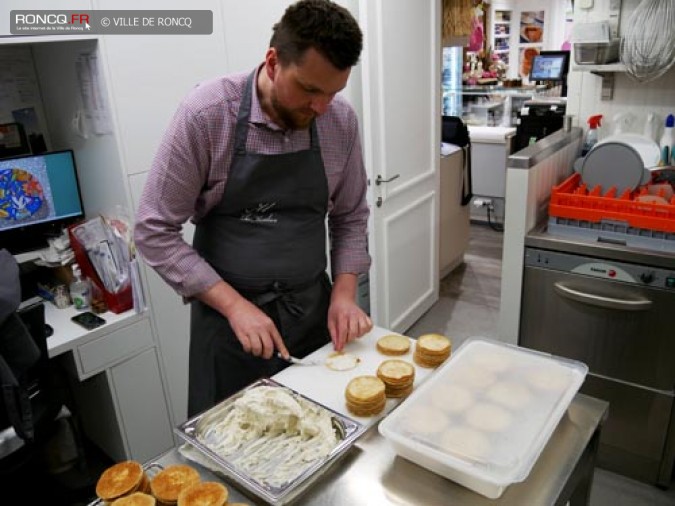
{"x": 135, "y": 499}
{"x": 121, "y": 479}
{"x": 170, "y": 481}
{"x": 205, "y": 493}
{"x": 393, "y": 344}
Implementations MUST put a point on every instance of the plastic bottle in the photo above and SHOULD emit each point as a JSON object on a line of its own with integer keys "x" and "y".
{"x": 80, "y": 290}
{"x": 650, "y": 127}
{"x": 667, "y": 141}
{"x": 594, "y": 122}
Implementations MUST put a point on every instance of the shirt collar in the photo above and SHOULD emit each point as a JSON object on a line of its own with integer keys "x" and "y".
{"x": 258, "y": 116}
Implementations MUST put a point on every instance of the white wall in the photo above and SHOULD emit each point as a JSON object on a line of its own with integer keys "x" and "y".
{"x": 630, "y": 96}
{"x": 554, "y": 24}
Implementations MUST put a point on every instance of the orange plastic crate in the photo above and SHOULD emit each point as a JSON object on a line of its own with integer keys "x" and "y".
{"x": 572, "y": 199}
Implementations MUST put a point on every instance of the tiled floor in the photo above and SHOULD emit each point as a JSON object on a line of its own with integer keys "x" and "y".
{"x": 469, "y": 306}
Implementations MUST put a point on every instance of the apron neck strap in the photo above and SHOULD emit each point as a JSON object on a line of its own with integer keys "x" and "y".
{"x": 244, "y": 113}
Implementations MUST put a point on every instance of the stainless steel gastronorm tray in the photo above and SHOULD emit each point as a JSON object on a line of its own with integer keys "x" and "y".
{"x": 348, "y": 431}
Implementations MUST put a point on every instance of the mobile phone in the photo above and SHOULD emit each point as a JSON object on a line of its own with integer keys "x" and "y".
{"x": 88, "y": 320}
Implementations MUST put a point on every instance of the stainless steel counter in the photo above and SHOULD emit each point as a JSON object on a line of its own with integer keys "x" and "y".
{"x": 371, "y": 473}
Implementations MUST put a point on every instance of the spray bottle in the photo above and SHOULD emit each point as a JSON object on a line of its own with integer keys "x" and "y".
{"x": 667, "y": 141}
{"x": 592, "y": 135}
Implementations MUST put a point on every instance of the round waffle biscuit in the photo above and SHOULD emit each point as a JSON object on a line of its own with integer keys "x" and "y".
{"x": 170, "y": 481}
{"x": 396, "y": 372}
{"x": 398, "y": 392}
{"x": 205, "y": 493}
{"x": 393, "y": 344}
{"x": 135, "y": 499}
{"x": 429, "y": 363}
{"x": 433, "y": 344}
{"x": 372, "y": 410}
{"x": 121, "y": 479}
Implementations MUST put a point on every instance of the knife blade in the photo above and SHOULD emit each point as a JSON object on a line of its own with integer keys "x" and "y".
{"x": 300, "y": 361}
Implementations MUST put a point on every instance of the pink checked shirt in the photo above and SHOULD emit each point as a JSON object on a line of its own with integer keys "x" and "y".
{"x": 190, "y": 169}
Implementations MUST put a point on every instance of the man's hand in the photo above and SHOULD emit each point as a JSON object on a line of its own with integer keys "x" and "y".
{"x": 254, "y": 329}
{"x": 346, "y": 320}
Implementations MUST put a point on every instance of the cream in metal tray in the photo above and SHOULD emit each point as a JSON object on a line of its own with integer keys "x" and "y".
{"x": 270, "y": 439}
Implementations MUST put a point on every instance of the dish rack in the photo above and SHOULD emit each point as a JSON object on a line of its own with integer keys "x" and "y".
{"x": 575, "y": 209}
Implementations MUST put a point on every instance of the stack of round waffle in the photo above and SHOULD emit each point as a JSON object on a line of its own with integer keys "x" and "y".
{"x": 398, "y": 377}
{"x": 365, "y": 395}
{"x": 393, "y": 344}
{"x": 121, "y": 479}
{"x": 431, "y": 350}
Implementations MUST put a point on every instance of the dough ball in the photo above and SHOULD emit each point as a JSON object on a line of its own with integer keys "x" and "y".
{"x": 465, "y": 442}
{"x": 488, "y": 417}
{"x": 425, "y": 420}
{"x": 509, "y": 394}
{"x": 451, "y": 398}
{"x": 474, "y": 378}
{"x": 549, "y": 379}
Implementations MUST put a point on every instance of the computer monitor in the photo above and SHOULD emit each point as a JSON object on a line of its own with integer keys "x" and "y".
{"x": 39, "y": 197}
{"x": 550, "y": 66}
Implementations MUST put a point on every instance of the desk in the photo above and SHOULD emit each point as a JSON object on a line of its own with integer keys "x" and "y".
{"x": 371, "y": 472}
{"x": 116, "y": 381}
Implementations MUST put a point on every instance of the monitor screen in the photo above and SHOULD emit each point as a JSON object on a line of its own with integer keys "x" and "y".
{"x": 39, "y": 195}
{"x": 550, "y": 66}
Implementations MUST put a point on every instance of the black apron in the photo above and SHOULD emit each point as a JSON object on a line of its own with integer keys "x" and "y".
{"x": 266, "y": 238}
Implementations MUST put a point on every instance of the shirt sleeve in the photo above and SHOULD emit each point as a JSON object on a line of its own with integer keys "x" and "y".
{"x": 348, "y": 218}
{"x": 179, "y": 172}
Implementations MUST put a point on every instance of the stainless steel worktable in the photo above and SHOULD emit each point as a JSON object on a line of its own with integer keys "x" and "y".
{"x": 371, "y": 473}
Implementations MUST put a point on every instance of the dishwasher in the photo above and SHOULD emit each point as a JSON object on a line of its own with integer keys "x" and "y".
{"x": 612, "y": 308}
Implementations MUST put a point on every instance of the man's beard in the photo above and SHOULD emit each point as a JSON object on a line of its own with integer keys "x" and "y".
{"x": 293, "y": 120}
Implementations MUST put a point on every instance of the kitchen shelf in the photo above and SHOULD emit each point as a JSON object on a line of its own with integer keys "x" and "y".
{"x": 601, "y": 69}
{"x": 607, "y": 73}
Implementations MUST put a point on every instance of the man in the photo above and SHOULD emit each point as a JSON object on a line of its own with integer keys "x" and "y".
{"x": 258, "y": 160}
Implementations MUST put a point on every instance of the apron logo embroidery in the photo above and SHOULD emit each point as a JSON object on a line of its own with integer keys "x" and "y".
{"x": 259, "y": 214}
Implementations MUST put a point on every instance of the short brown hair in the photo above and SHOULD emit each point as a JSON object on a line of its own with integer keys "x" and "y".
{"x": 322, "y": 25}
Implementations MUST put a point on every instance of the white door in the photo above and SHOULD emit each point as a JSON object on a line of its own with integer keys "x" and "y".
{"x": 401, "y": 121}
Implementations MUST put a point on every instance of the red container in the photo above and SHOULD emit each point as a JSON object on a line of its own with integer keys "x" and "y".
{"x": 117, "y": 302}
{"x": 572, "y": 199}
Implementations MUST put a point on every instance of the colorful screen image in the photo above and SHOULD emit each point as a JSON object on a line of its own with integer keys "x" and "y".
{"x": 548, "y": 67}
{"x": 38, "y": 189}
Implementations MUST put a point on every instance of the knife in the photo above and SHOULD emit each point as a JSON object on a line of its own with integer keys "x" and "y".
{"x": 301, "y": 361}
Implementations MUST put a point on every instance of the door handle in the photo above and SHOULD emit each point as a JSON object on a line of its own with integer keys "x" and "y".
{"x": 379, "y": 180}
{"x": 638, "y": 304}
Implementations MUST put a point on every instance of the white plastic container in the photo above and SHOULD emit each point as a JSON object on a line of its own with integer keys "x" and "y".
{"x": 484, "y": 417}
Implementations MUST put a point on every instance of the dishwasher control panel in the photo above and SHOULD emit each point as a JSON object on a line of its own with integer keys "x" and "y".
{"x": 605, "y": 269}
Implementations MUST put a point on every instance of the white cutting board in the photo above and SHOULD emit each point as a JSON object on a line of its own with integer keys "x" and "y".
{"x": 327, "y": 387}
